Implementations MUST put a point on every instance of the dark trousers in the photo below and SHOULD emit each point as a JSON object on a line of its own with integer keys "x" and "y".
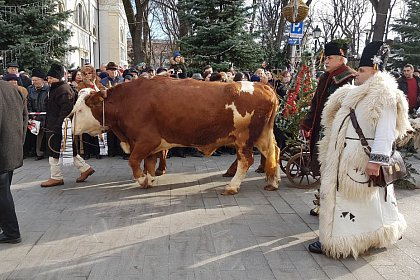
{"x": 114, "y": 147}
{"x": 90, "y": 145}
{"x": 8, "y": 219}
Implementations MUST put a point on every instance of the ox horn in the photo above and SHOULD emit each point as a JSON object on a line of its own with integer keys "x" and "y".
{"x": 104, "y": 93}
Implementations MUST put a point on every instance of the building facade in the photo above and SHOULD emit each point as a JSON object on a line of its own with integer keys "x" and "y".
{"x": 99, "y": 32}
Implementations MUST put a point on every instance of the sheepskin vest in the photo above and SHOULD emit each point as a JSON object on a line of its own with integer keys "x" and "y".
{"x": 343, "y": 160}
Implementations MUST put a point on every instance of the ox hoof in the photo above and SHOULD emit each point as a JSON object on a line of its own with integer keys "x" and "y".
{"x": 227, "y": 174}
{"x": 270, "y": 188}
{"x": 230, "y": 191}
{"x": 145, "y": 186}
{"x": 159, "y": 172}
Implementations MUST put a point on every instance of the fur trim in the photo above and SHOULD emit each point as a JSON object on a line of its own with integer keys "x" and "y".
{"x": 343, "y": 246}
{"x": 172, "y": 60}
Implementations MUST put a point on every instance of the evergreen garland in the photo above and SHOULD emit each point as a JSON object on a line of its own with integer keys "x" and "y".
{"x": 295, "y": 106}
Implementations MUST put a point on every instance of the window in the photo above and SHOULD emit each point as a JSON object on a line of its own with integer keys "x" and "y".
{"x": 80, "y": 16}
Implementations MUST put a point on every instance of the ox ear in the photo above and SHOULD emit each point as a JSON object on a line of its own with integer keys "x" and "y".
{"x": 94, "y": 100}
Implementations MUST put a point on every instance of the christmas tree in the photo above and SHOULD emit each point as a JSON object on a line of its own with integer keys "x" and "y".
{"x": 409, "y": 28}
{"x": 33, "y": 33}
{"x": 217, "y": 35}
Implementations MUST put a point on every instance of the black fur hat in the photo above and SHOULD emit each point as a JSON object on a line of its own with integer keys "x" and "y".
{"x": 375, "y": 55}
{"x": 56, "y": 71}
{"x": 38, "y": 73}
{"x": 335, "y": 48}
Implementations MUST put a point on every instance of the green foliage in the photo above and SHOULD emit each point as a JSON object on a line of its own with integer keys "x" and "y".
{"x": 34, "y": 34}
{"x": 409, "y": 28}
{"x": 217, "y": 35}
{"x": 295, "y": 106}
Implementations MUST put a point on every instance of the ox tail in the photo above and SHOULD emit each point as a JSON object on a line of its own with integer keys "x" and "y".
{"x": 273, "y": 152}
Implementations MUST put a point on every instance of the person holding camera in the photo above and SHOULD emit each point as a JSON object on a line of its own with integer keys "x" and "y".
{"x": 178, "y": 68}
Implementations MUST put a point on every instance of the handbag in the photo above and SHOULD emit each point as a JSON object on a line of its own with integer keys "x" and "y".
{"x": 388, "y": 173}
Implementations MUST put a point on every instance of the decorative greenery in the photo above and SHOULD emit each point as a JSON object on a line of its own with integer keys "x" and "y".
{"x": 296, "y": 104}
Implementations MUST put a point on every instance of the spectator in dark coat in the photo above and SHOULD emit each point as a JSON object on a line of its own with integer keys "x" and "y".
{"x": 37, "y": 105}
{"x": 59, "y": 106}
{"x": 178, "y": 68}
{"x": 13, "y": 122}
{"x": 23, "y": 80}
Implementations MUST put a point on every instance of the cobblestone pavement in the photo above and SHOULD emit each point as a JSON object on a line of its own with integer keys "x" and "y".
{"x": 108, "y": 228}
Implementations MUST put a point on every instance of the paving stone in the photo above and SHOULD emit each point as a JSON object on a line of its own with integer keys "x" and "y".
{"x": 182, "y": 228}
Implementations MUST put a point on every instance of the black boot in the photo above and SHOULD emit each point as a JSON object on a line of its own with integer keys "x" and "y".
{"x": 315, "y": 247}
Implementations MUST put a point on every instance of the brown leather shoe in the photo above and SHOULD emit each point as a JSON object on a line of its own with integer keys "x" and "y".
{"x": 84, "y": 175}
{"x": 52, "y": 183}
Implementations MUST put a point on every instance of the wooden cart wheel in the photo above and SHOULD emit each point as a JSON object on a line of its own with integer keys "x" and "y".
{"x": 286, "y": 153}
{"x": 299, "y": 173}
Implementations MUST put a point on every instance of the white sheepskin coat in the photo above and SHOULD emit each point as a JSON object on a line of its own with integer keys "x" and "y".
{"x": 353, "y": 216}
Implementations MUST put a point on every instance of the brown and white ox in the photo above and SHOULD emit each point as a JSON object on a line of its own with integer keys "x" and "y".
{"x": 152, "y": 115}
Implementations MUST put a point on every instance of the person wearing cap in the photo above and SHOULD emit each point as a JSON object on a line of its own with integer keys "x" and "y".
{"x": 336, "y": 75}
{"x": 357, "y": 215}
{"x": 13, "y": 123}
{"x": 134, "y": 73}
{"x": 37, "y": 105}
{"x": 14, "y": 80}
{"x": 113, "y": 78}
{"x": 178, "y": 68}
{"x": 59, "y": 105}
{"x": 197, "y": 76}
{"x": 13, "y": 68}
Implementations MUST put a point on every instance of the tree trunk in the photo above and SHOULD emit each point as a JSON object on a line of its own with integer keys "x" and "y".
{"x": 381, "y": 9}
{"x": 280, "y": 27}
{"x": 135, "y": 27}
{"x": 183, "y": 24}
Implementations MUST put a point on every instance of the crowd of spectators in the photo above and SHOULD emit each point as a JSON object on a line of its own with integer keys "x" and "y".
{"x": 35, "y": 88}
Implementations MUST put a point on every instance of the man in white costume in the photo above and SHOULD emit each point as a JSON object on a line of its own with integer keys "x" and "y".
{"x": 357, "y": 215}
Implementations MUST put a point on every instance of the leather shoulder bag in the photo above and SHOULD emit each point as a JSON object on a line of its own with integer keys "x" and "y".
{"x": 388, "y": 173}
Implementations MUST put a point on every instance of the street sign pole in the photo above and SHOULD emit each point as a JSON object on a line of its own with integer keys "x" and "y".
{"x": 292, "y": 57}
{"x": 295, "y": 38}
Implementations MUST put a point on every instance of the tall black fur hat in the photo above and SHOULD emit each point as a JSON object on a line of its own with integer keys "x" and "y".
{"x": 56, "y": 71}
{"x": 375, "y": 55}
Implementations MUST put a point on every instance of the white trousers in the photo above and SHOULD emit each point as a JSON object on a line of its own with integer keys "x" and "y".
{"x": 56, "y": 168}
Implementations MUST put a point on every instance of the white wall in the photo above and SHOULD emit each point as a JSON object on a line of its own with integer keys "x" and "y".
{"x": 99, "y": 41}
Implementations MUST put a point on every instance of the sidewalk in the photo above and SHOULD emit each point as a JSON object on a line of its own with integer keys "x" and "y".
{"x": 108, "y": 228}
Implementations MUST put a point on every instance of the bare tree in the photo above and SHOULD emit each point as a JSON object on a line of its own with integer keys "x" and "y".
{"x": 381, "y": 8}
{"x": 347, "y": 20}
{"x": 391, "y": 7}
{"x": 137, "y": 17}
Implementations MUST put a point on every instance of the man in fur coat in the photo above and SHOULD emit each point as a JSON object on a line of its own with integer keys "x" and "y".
{"x": 356, "y": 214}
{"x": 336, "y": 75}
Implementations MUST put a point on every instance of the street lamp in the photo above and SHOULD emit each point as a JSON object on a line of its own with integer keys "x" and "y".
{"x": 316, "y": 33}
